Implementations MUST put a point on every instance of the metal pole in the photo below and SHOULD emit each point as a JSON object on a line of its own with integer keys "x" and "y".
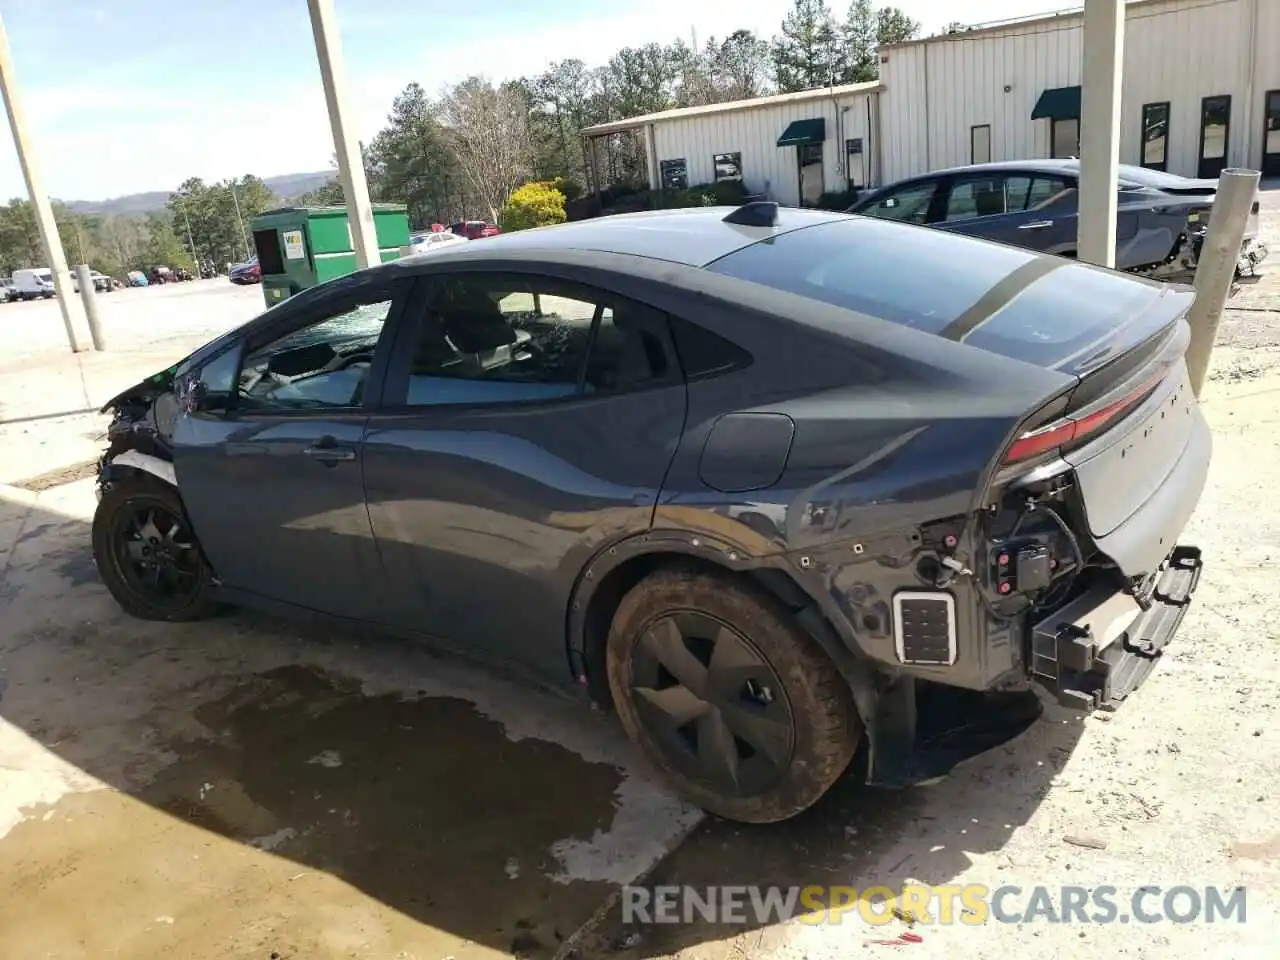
{"x": 190, "y": 242}
{"x": 88, "y": 295}
{"x": 1100, "y": 130}
{"x": 244, "y": 237}
{"x": 350, "y": 163}
{"x": 1216, "y": 270}
{"x": 40, "y": 205}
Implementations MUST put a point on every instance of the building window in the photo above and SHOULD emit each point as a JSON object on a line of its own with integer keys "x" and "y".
{"x": 728, "y": 166}
{"x": 1155, "y": 136}
{"x": 855, "y": 168}
{"x": 1215, "y": 133}
{"x": 1271, "y": 135}
{"x": 980, "y": 143}
{"x": 675, "y": 174}
{"x": 1064, "y": 138}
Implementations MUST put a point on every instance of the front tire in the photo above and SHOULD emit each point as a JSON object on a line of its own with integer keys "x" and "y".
{"x": 727, "y": 696}
{"x": 147, "y": 555}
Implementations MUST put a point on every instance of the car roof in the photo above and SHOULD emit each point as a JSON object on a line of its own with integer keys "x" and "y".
{"x": 691, "y": 236}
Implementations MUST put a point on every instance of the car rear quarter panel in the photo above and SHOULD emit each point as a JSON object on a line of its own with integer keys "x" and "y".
{"x": 894, "y": 430}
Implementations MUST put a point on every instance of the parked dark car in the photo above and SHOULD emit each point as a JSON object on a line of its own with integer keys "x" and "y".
{"x": 246, "y": 273}
{"x": 1160, "y": 218}
{"x": 742, "y": 474}
{"x": 474, "y": 229}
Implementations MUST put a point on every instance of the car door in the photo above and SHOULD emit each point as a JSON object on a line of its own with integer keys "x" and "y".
{"x": 269, "y": 454}
{"x": 528, "y": 421}
{"x": 1020, "y": 209}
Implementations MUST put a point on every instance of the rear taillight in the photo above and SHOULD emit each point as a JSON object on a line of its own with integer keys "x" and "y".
{"x": 1077, "y": 427}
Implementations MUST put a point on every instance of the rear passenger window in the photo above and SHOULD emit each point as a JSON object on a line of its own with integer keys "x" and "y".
{"x": 703, "y": 353}
{"x": 488, "y": 338}
{"x": 979, "y": 197}
{"x": 1046, "y": 190}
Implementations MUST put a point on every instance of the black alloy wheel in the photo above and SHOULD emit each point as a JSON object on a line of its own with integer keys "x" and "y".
{"x": 727, "y": 695}
{"x": 157, "y": 553}
{"x": 707, "y": 694}
{"x": 147, "y": 553}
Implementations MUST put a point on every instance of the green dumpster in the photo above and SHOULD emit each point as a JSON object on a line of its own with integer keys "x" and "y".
{"x": 299, "y": 247}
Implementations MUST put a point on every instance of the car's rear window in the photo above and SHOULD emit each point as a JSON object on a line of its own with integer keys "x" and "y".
{"x": 929, "y": 279}
{"x": 916, "y": 276}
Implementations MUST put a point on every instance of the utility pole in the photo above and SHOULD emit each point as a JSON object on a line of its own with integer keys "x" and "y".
{"x": 1103, "y": 40}
{"x": 40, "y": 205}
{"x": 355, "y": 184}
{"x": 244, "y": 237}
{"x": 190, "y": 242}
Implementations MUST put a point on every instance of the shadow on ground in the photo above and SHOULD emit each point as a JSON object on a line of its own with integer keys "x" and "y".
{"x": 326, "y": 767}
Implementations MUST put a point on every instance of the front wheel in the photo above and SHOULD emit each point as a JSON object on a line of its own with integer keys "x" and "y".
{"x": 728, "y": 697}
{"x": 147, "y": 554}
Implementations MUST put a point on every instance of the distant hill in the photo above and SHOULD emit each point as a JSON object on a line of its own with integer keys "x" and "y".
{"x": 286, "y": 186}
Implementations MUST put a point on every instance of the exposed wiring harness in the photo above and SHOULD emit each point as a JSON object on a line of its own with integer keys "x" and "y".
{"x": 1064, "y": 581}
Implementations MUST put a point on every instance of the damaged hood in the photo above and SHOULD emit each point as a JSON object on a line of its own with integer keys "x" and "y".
{"x": 147, "y": 389}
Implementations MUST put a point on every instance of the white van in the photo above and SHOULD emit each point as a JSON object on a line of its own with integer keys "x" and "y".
{"x": 34, "y": 283}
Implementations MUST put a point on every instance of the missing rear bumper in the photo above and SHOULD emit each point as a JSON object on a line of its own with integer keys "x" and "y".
{"x": 1100, "y": 648}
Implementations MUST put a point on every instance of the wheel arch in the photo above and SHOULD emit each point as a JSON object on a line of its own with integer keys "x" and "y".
{"x": 617, "y": 569}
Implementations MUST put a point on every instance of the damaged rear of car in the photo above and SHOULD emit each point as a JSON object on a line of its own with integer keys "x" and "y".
{"x": 1065, "y": 567}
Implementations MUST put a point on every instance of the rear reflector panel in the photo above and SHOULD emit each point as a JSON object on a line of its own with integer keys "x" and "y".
{"x": 924, "y": 626}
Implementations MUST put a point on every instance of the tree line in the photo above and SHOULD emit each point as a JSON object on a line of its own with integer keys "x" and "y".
{"x": 460, "y": 154}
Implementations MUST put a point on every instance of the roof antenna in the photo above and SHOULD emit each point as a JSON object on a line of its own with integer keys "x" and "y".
{"x": 757, "y": 213}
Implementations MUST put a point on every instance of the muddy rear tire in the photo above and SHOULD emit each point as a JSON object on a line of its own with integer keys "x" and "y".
{"x": 731, "y": 700}
{"x": 147, "y": 555}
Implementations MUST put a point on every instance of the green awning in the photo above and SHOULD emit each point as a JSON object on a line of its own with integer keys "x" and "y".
{"x": 1060, "y": 103}
{"x": 804, "y": 131}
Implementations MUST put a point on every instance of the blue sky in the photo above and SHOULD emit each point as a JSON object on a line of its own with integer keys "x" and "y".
{"x": 130, "y": 95}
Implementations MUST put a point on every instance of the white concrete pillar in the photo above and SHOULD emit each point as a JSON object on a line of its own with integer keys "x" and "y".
{"x": 355, "y": 186}
{"x": 1100, "y": 130}
{"x": 43, "y": 210}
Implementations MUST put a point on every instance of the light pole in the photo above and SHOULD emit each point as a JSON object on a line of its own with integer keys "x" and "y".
{"x": 355, "y": 184}
{"x": 40, "y": 206}
{"x": 244, "y": 237}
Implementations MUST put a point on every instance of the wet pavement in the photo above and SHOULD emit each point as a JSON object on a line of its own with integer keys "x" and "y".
{"x": 250, "y": 787}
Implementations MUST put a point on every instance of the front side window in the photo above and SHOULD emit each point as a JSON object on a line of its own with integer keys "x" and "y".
{"x": 324, "y": 364}
{"x": 491, "y": 338}
{"x": 909, "y": 203}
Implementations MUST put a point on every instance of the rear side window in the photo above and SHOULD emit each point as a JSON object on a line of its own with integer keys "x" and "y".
{"x": 703, "y": 353}
{"x": 921, "y": 278}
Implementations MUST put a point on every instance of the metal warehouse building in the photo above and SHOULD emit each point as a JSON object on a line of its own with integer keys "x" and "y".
{"x": 787, "y": 146}
{"x": 1201, "y": 92}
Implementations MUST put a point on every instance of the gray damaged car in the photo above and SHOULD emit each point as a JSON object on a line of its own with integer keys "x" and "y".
{"x": 763, "y": 481}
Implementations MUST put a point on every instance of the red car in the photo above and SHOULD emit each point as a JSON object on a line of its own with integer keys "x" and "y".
{"x": 474, "y": 229}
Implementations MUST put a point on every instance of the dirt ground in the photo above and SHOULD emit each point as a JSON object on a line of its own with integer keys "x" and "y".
{"x": 253, "y": 788}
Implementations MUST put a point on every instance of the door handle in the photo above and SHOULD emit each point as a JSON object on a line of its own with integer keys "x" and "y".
{"x": 1037, "y": 225}
{"x": 326, "y": 451}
